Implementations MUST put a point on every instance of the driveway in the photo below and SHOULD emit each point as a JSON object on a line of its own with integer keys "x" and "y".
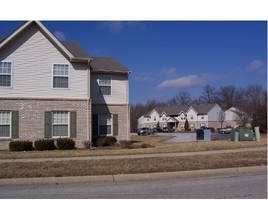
{"x": 190, "y": 137}
{"x": 179, "y": 137}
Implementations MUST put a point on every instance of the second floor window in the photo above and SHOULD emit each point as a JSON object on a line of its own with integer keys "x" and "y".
{"x": 105, "y": 85}
{"x": 60, "y": 76}
{"x": 5, "y": 74}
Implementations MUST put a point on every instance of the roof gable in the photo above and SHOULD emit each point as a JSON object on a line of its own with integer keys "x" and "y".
{"x": 69, "y": 49}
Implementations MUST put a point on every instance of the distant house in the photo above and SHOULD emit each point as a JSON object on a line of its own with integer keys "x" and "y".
{"x": 175, "y": 117}
{"x": 51, "y": 89}
{"x": 234, "y": 117}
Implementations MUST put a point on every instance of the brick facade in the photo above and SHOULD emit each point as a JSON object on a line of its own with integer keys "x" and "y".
{"x": 32, "y": 111}
{"x": 123, "y": 112}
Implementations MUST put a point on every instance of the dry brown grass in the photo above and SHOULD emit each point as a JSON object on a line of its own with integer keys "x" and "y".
{"x": 136, "y": 149}
{"x": 124, "y": 166}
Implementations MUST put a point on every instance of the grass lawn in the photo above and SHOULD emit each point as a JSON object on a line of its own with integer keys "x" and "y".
{"x": 136, "y": 148}
{"x": 137, "y": 165}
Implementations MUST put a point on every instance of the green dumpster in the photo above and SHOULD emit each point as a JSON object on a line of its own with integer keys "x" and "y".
{"x": 243, "y": 133}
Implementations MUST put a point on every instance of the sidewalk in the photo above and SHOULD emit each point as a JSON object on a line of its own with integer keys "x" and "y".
{"x": 104, "y": 179}
{"x": 133, "y": 156}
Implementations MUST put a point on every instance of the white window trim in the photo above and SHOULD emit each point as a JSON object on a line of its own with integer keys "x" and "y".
{"x": 69, "y": 78}
{"x": 11, "y": 75}
{"x": 99, "y": 124}
{"x": 52, "y": 125}
{"x": 10, "y": 125}
{"x": 104, "y": 85}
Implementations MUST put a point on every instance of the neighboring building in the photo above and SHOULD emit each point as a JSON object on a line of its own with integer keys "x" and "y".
{"x": 235, "y": 117}
{"x": 175, "y": 117}
{"x": 51, "y": 89}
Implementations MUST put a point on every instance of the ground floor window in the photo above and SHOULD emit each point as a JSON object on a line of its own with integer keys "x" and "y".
{"x": 105, "y": 124}
{"x": 5, "y": 124}
{"x": 60, "y": 124}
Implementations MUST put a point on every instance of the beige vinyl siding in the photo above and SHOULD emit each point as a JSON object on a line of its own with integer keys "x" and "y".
{"x": 119, "y": 87}
{"x": 32, "y": 56}
{"x": 213, "y": 114}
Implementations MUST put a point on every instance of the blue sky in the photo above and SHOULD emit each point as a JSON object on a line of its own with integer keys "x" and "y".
{"x": 166, "y": 57}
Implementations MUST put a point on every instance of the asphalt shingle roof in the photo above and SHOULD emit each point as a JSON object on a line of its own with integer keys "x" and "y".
{"x": 107, "y": 64}
{"x": 201, "y": 109}
{"x": 75, "y": 49}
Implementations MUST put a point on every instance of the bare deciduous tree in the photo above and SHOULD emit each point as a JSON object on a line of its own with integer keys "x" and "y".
{"x": 221, "y": 117}
{"x": 241, "y": 118}
{"x": 208, "y": 95}
{"x": 229, "y": 96}
{"x": 182, "y": 98}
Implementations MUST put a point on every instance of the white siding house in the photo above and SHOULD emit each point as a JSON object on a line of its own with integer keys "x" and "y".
{"x": 197, "y": 116}
{"x": 51, "y": 88}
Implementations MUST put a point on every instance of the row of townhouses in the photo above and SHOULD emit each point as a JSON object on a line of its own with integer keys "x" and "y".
{"x": 51, "y": 88}
{"x": 197, "y": 116}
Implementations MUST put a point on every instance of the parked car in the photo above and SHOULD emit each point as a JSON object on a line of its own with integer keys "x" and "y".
{"x": 226, "y": 130}
{"x": 168, "y": 129}
{"x": 212, "y": 130}
{"x": 145, "y": 131}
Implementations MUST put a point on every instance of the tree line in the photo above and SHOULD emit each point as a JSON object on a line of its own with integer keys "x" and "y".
{"x": 252, "y": 100}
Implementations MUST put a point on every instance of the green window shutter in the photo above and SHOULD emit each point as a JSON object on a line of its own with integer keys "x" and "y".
{"x": 15, "y": 124}
{"x": 115, "y": 125}
{"x": 48, "y": 125}
{"x": 73, "y": 125}
{"x": 95, "y": 129}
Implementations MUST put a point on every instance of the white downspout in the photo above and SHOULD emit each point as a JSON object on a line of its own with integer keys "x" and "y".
{"x": 88, "y": 98}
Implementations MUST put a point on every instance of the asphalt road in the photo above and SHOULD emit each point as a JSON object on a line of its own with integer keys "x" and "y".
{"x": 246, "y": 186}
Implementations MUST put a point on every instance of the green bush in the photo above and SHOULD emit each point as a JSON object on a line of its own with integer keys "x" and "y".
{"x": 103, "y": 141}
{"x": 126, "y": 144}
{"x": 65, "y": 143}
{"x": 21, "y": 145}
{"x": 44, "y": 144}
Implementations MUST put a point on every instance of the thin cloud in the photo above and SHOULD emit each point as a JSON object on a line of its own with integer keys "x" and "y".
{"x": 114, "y": 26}
{"x": 257, "y": 66}
{"x": 117, "y": 26}
{"x": 144, "y": 79}
{"x": 59, "y": 35}
{"x": 170, "y": 72}
{"x": 183, "y": 82}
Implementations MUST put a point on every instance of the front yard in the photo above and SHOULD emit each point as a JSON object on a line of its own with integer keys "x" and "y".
{"x": 136, "y": 148}
{"x": 135, "y": 165}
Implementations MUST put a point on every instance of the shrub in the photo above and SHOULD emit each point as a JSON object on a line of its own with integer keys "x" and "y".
{"x": 87, "y": 144}
{"x": 126, "y": 144}
{"x": 44, "y": 144}
{"x": 104, "y": 141}
{"x": 65, "y": 143}
{"x": 21, "y": 146}
{"x": 146, "y": 145}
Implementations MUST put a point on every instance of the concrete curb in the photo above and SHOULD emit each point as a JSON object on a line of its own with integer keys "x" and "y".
{"x": 136, "y": 177}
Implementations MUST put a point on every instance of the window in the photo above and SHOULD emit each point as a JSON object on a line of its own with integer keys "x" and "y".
{"x": 105, "y": 84}
{"x": 105, "y": 124}
{"x": 5, "y": 74}
{"x": 5, "y": 124}
{"x": 60, "y": 124}
{"x": 60, "y": 76}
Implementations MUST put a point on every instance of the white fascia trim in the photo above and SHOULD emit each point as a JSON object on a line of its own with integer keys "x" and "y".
{"x": 44, "y": 29}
